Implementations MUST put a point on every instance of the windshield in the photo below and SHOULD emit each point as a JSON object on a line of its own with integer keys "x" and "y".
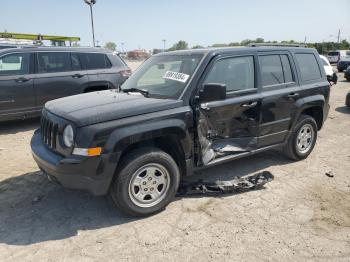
{"x": 164, "y": 76}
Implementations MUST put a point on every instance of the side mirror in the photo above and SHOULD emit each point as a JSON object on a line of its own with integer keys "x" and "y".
{"x": 212, "y": 92}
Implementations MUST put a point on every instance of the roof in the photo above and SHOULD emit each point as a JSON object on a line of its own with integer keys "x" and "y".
{"x": 223, "y": 50}
{"x": 64, "y": 48}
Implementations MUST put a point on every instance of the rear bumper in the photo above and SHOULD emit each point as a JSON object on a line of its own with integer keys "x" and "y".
{"x": 93, "y": 174}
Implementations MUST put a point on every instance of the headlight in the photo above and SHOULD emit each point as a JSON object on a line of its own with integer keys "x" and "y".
{"x": 68, "y": 136}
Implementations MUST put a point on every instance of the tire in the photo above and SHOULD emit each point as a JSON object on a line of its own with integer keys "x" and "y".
{"x": 347, "y": 101}
{"x": 140, "y": 172}
{"x": 294, "y": 146}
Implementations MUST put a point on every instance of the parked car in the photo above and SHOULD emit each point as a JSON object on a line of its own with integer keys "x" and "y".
{"x": 335, "y": 56}
{"x": 31, "y": 76}
{"x": 347, "y": 101}
{"x": 343, "y": 64}
{"x": 7, "y": 46}
{"x": 331, "y": 75}
{"x": 181, "y": 111}
{"x": 347, "y": 73}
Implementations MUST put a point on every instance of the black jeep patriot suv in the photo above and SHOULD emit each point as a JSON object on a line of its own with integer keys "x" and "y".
{"x": 181, "y": 111}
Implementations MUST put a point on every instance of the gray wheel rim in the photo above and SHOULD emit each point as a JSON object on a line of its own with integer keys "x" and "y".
{"x": 305, "y": 138}
{"x": 149, "y": 185}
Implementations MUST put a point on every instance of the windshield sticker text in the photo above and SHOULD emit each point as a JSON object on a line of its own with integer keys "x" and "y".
{"x": 176, "y": 76}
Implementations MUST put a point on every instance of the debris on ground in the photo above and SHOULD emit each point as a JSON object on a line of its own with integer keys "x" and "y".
{"x": 37, "y": 199}
{"x": 236, "y": 185}
{"x": 329, "y": 174}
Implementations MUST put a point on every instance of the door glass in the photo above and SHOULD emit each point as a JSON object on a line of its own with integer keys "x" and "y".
{"x": 75, "y": 62}
{"x": 308, "y": 65}
{"x": 237, "y": 73}
{"x": 52, "y": 62}
{"x": 95, "y": 61}
{"x": 14, "y": 64}
{"x": 271, "y": 70}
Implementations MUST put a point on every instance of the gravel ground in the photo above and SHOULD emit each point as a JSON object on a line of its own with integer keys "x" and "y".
{"x": 301, "y": 215}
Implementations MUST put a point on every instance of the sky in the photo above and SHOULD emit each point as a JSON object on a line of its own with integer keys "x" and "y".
{"x": 145, "y": 23}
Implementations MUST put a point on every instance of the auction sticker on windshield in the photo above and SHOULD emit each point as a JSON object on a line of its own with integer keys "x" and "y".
{"x": 176, "y": 76}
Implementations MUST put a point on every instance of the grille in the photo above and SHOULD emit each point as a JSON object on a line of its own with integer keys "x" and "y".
{"x": 49, "y": 132}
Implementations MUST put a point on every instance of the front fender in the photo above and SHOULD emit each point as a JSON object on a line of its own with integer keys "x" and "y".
{"x": 125, "y": 136}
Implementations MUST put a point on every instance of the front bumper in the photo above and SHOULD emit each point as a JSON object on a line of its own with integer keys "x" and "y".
{"x": 93, "y": 174}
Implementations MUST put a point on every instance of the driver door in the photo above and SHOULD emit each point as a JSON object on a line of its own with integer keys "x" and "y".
{"x": 230, "y": 126}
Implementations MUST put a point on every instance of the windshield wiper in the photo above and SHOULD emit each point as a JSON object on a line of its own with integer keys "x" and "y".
{"x": 144, "y": 92}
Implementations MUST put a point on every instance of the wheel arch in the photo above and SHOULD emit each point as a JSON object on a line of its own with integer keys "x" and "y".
{"x": 312, "y": 106}
{"x": 170, "y": 136}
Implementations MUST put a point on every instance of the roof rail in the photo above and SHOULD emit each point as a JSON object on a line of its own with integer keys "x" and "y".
{"x": 276, "y": 44}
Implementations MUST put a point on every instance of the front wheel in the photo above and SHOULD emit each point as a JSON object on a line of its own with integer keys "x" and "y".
{"x": 303, "y": 138}
{"x": 145, "y": 183}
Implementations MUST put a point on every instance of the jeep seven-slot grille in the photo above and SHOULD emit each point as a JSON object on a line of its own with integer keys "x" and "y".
{"x": 49, "y": 132}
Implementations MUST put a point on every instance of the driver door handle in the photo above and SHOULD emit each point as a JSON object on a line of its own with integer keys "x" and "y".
{"x": 249, "y": 104}
{"x": 21, "y": 80}
{"x": 77, "y": 75}
{"x": 293, "y": 95}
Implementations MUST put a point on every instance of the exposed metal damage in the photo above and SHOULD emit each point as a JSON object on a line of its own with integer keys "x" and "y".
{"x": 214, "y": 133}
{"x": 236, "y": 185}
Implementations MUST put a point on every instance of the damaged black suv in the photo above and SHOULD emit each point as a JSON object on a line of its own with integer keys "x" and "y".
{"x": 178, "y": 112}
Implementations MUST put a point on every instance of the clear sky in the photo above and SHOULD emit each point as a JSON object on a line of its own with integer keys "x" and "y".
{"x": 144, "y": 23}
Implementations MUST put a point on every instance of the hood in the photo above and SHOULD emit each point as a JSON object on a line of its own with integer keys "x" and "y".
{"x": 101, "y": 106}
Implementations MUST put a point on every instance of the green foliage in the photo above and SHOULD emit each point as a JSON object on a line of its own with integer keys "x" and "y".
{"x": 322, "y": 48}
{"x": 325, "y": 47}
{"x": 111, "y": 46}
{"x": 219, "y": 45}
{"x": 181, "y": 45}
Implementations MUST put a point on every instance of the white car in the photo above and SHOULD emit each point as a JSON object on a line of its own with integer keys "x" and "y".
{"x": 335, "y": 56}
{"x": 331, "y": 75}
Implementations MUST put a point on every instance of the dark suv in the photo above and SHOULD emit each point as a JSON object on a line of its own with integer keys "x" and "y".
{"x": 31, "y": 76}
{"x": 181, "y": 111}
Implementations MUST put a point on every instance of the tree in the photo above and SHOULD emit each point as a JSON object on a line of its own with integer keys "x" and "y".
{"x": 111, "y": 46}
{"x": 219, "y": 45}
{"x": 197, "y": 47}
{"x": 179, "y": 46}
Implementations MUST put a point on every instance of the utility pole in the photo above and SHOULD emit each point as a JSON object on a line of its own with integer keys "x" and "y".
{"x": 91, "y": 3}
{"x": 338, "y": 36}
{"x": 164, "y": 40}
{"x": 305, "y": 40}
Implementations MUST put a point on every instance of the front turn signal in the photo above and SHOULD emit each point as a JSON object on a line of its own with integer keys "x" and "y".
{"x": 94, "y": 151}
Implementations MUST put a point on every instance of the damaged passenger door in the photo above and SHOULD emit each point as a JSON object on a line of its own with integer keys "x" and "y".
{"x": 228, "y": 125}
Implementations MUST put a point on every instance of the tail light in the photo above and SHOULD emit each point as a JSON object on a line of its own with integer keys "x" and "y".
{"x": 126, "y": 73}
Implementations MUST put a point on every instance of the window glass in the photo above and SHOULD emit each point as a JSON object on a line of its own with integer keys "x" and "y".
{"x": 236, "y": 73}
{"x": 308, "y": 65}
{"x": 14, "y": 64}
{"x": 164, "y": 76}
{"x": 154, "y": 76}
{"x": 75, "y": 62}
{"x": 271, "y": 70}
{"x": 333, "y": 53}
{"x": 95, "y": 61}
{"x": 117, "y": 61}
{"x": 52, "y": 62}
{"x": 287, "y": 70}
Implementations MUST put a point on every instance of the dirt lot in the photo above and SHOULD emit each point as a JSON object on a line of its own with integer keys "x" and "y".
{"x": 301, "y": 215}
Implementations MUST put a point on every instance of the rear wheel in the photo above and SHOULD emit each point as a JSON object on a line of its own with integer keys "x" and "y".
{"x": 146, "y": 182}
{"x": 303, "y": 138}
